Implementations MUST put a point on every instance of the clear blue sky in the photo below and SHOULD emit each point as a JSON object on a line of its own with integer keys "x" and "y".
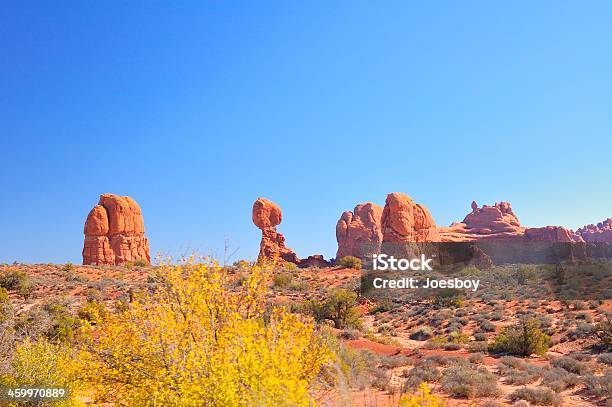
{"x": 197, "y": 108}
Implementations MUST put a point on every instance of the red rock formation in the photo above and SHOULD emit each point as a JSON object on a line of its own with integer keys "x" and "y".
{"x": 552, "y": 234}
{"x": 403, "y": 220}
{"x": 316, "y": 260}
{"x": 359, "y": 232}
{"x": 266, "y": 216}
{"x": 114, "y": 232}
{"x": 600, "y": 233}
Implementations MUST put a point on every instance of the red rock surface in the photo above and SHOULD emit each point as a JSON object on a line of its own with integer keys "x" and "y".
{"x": 600, "y": 233}
{"x": 359, "y": 232}
{"x": 266, "y": 216}
{"x": 403, "y": 220}
{"x": 114, "y": 232}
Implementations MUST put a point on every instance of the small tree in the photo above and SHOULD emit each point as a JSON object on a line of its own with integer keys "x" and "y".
{"x": 522, "y": 339}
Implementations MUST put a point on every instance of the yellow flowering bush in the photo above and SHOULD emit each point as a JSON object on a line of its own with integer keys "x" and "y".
{"x": 195, "y": 342}
{"x": 423, "y": 398}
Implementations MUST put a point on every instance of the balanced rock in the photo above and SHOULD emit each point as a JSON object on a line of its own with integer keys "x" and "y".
{"x": 359, "y": 233}
{"x": 266, "y": 216}
{"x": 114, "y": 232}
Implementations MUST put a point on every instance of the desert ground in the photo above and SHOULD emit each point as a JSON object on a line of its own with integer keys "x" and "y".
{"x": 389, "y": 346}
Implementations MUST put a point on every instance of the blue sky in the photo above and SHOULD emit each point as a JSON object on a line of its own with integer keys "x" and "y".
{"x": 197, "y": 108}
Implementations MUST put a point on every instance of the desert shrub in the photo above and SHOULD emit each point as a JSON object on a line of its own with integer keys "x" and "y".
{"x": 491, "y": 403}
{"x": 141, "y": 263}
{"x": 350, "y": 334}
{"x": 476, "y": 358}
{"x": 487, "y": 326}
{"x": 422, "y": 398}
{"x": 6, "y": 310}
{"x": 290, "y": 267}
{"x": 383, "y": 306}
{"x": 539, "y": 396}
{"x": 68, "y": 267}
{"x": 193, "y": 341}
{"x": 582, "y": 330}
{"x": 524, "y": 273}
{"x": 517, "y": 371}
{"x": 281, "y": 280}
{"x": 394, "y": 361}
{"x": 25, "y": 290}
{"x": 480, "y": 336}
{"x": 571, "y": 365}
{"x": 425, "y": 371}
{"x": 350, "y": 262}
{"x": 559, "y": 379}
{"x": 353, "y": 368}
{"x": 599, "y": 385}
{"x": 463, "y": 381}
{"x": 422, "y": 334}
{"x": 12, "y": 279}
{"x": 522, "y": 339}
{"x": 605, "y": 358}
{"x": 41, "y": 363}
{"x": 448, "y": 298}
{"x": 603, "y": 330}
{"x": 339, "y": 307}
{"x": 387, "y": 330}
{"x": 478, "y": 346}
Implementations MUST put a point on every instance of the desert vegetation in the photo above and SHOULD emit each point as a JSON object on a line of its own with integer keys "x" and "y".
{"x": 248, "y": 335}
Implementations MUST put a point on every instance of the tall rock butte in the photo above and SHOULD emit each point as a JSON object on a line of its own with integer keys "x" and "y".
{"x": 359, "y": 233}
{"x": 266, "y": 216}
{"x": 114, "y": 232}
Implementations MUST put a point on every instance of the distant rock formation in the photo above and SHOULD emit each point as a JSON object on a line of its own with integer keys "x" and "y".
{"x": 316, "y": 260}
{"x": 404, "y": 221}
{"x": 600, "y": 233}
{"x": 266, "y": 216}
{"x": 114, "y": 232}
{"x": 359, "y": 232}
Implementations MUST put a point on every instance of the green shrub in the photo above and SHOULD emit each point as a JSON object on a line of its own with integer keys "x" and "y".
{"x": 141, "y": 263}
{"x": 340, "y": 307}
{"x": 12, "y": 279}
{"x": 603, "y": 330}
{"x": 539, "y": 396}
{"x": 350, "y": 262}
{"x": 281, "y": 280}
{"x": 448, "y": 298}
{"x": 523, "y": 339}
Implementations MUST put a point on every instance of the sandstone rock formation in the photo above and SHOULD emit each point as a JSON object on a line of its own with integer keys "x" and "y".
{"x": 600, "y": 233}
{"x": 359, "y": 232}
{"x": 316, "y": 260}
{"x": 266, "y": 216}
{"x": 403, "y": 220}
{"x": 114, "y": 232}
